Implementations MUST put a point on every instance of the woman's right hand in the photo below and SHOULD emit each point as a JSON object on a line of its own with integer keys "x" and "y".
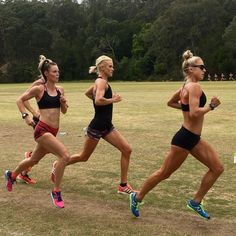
{"x": 29, "y": 121}
{"x": 116, "y": 98}
{"x": 215, "y": 101}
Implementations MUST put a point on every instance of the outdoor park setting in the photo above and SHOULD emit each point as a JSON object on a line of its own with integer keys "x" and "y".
{"x": 92, "y": 205}
{"x": 163, "y": 72}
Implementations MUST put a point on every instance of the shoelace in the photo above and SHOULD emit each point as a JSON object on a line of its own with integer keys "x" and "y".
{"x": 201, "y": 209}
{"x": 59, "y": 196}
{"x": 136, "y": 204}
{"x": 128, "y": 190}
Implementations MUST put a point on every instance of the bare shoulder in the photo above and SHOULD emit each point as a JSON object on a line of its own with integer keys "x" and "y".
{"x": 100, "y": 81}
{"x": 101, "y": 84}
{"x": 38, "y": 88}
{"x": 61, "y": 89}
{"x": 194, "y": 88}
{"x": 37, "y": 82}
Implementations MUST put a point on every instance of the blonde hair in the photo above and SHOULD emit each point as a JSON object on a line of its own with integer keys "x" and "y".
{"x": 99, "y": 60}
{"x": 44, "y": 64}
{"x": 188, "y": 60}
{"x": 42, "y": 59}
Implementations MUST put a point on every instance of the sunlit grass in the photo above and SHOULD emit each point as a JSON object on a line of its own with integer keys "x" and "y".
{"x": 89, "y": 189}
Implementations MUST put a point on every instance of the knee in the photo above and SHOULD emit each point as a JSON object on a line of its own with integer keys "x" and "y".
{"x": 219, "y": 169}
{"x": 163, "y": 174}
{"x": 66, "y": 157}
{"x": 127, "y": 150}
{"x": 33, "y": 162}
{"x": 82, "y": 157}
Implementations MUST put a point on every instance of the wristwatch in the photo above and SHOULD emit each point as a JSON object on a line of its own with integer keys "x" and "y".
{"x": 24, "y": 115}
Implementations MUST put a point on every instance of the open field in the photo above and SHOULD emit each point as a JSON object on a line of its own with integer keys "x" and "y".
{"x": 92, "y": 206}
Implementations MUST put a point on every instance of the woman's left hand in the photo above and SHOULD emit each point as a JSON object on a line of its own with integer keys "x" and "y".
{"x": 63, "y": 100}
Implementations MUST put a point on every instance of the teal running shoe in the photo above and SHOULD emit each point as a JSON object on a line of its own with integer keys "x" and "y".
{"x": 198, "y": 208}
{"x": 134, "y": 204}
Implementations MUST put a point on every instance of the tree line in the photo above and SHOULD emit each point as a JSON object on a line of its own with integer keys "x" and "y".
{"x": 145, "y": 38}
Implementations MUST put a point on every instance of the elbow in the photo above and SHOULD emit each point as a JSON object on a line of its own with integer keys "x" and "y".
{"x": 169, "y": 104}
{"x": 63, "y": 111}
{"x": 98, "y": 102}
{"x": 18, "y": 101}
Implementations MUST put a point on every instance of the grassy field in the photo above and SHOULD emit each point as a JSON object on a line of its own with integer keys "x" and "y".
{"x": 92, "y": 205}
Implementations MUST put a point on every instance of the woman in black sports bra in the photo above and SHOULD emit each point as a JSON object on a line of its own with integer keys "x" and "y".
{"x": 191, "y": 100}
{"x": 24, "y": 175}
{"x": 51, "y": 103}
{"x": 101, "y": 125}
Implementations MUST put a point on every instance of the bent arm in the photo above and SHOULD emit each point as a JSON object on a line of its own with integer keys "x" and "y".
{"x": 33, "y": 92}
{"x": 195, "y": 111}
{"x": 27, "y": 103}
{"x": 63, "y": 100}
{"x": 89, "y": 92}
{"x": 31, "y": 109}
{"x": 174, "y": 101}
{"x": 100, "y": 100}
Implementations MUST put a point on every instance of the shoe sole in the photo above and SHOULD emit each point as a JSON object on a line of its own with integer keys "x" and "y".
{"x": 124, "y": 193}
{"x": 189, "y": 207}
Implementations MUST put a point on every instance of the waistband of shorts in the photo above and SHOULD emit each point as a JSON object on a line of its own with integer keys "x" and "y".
{"x": 190, "y": 132}
{"x": 42, "y": 124}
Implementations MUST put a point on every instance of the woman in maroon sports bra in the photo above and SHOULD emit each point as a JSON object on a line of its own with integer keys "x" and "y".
{"x": 51, "y": 103}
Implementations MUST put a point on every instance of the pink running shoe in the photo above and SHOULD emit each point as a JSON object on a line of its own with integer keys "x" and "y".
{"x": 25, "y": 178}
{"x": 56, "y": 199}
{"x": 126, "y": 189}
{"x": 53, "y": 174}
{"x": 9, "y": 180}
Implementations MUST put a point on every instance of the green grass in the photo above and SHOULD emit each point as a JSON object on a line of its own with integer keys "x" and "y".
{"x": 89, "y": 189}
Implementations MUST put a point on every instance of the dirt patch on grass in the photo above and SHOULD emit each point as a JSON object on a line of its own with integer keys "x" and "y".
{"x": 92, "y": 215}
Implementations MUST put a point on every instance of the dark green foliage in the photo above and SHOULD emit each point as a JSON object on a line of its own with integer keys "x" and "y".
{"x": 145, "y": 38}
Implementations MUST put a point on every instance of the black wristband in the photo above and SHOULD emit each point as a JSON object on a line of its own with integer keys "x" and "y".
{"x": 212, "y": 106}
{"x": 24, "y": 115}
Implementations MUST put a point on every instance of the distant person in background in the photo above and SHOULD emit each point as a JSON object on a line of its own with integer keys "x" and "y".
{"x": 216, "y": 77}
{"x": 51, "y": 102}
{"x": 101, "y": 125}
{"x": 209, "y": 77}
{"x": 191, "y": 100}
{"x": 24, "y": 175}
{"x": 222, "y": 77}
{"x": 231, "y": 76}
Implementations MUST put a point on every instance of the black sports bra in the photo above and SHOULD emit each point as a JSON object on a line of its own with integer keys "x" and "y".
{"x": 48, "y": 102}
{"x": 202, "y": 102}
